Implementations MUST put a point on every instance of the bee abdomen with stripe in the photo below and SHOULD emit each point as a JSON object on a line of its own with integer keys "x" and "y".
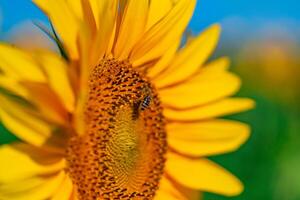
{"x": 146, "y": 102}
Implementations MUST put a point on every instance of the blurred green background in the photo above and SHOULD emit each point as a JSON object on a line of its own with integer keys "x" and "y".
{"x": 262, "y": 40}
{"x": 266, "y": 57}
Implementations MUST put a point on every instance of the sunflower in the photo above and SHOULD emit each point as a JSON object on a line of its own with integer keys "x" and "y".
{"x": 124, "y": 111}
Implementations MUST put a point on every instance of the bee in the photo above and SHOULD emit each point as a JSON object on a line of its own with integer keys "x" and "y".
{"x": 146, "y": 102}
{"x": 140, "y": 106}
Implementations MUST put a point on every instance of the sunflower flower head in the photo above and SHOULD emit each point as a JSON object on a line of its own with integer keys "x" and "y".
{"x": 123, "y": 111}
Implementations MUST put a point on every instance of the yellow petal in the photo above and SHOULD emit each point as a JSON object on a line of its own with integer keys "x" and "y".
{"x": 21, "y": 186}
{"x": 190, "y": 58}
{"x": 64, "y": 20}
{"x": 47, "y": 102}
{"x": 17, "y": 64}
{"x": 158, "y": 9}
{"x": 170, "y": 190}
{"x": 19, "y": 88}
{"x": 97, "y": 13}
{"x": 164, "y": 61}
{"x": 202, "y": 174}
{"x": 44, "y": 190}
{"x": 211, "y": 69}
{"x": 214, "y": 67}
{"x": 106, "y": 15}
{"x": 74, "y": 195}
{"x": 208, "y": 137}
{"x": 203, "y": 90}
{"x": 212, "y": 110}
{"x": 167, "y": 190}
{"x": 58, "y": 78}
{"x": 20, "y": 161}
{"x": 27, "y": 126}
{"x": 163, "y": 34}
{"x": 65, "y": 190}
{"x": 88, "y": 16}
{"x": 99, "y": 8}
{"x": 13, "y": 86}
{"x": 96, "y": 8}
{"x": 132, "y": 26}
{"x": 78, "y": 114}
{"x": 76, "y": 7}
{"x": 163, "y": 195}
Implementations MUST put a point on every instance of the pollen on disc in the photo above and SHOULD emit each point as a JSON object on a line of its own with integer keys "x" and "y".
{"x": 122, "y": 153}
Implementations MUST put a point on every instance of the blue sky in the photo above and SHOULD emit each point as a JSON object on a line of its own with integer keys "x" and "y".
{"x": 210, "y": 11}
{"x": 207, "y": 12}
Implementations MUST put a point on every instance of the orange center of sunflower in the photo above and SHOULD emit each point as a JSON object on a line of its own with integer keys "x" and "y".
{"x": 122, "y": 154}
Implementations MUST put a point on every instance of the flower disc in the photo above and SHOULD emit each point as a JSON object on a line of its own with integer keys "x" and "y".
{"x": 122, "y": 153}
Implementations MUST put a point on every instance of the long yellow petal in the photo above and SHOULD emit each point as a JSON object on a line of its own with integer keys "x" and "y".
{"x": 208, "y": 137}
{"x": 24, "y": 67}
{"x": 88, "y": 16}
{"x": 12, "y": 85}
{"x": 167, "y": 190}
{"x": 21, "y": 186}
{"x": 132, "y": 26}
{"x": 170, "y": 190}
{"x": 75, "y": 7}
{"x": 202, "y": 90}
{"x": 190, "y": 58}
{"x": 64, "y": 191}
{"x": 96, "y": 8}
{"x": 99, "y": 8}
{"x": 163, "y": 195}
{"x": 211, "y": 69}
{"x": 158, "y": 9}
{"x": 212, "y": 110}
{"x": 58, "y": 78}
{"x": 47, "y": 102}
{"x": 20, "y": 161}
{"x": 17, "y": 64}
{"x": 67, "y": 26}
{"x": 214, "y": 67}
{"x": 74, "y": 195}
{"x": 202, "y": 174}
{"x": 43, "y": 191}
{"x": 162, "y": 35}
{"x": 164, "y": 61}
{"x": 28, "y": 127}
{"x": 38, "y": 94}
{"x": 105, "y": 36}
